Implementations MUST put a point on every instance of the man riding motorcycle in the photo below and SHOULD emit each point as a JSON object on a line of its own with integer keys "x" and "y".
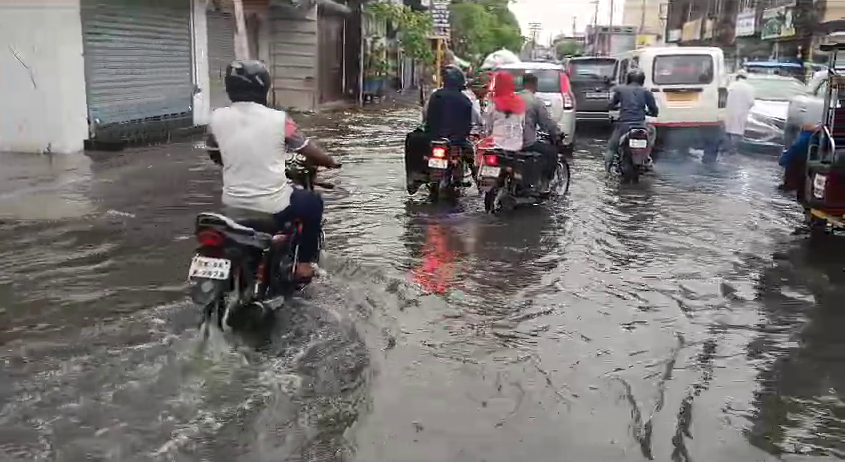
{"x": 536, "y": 115}
{"x": 450, "y": 113}
{"x": 249, "y": 139}
{"x": 634, "y": 103}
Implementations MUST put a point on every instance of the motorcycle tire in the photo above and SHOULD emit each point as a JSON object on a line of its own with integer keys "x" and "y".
{"x": 490, "y": 200}
{"x": 434, "y": 192}
{"x": 563, "y": 175}
{"x": 630, "y": 173}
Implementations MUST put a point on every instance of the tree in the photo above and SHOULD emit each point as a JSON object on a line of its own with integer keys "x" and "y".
{"x": 413, "y": 27}
{"x": 480, "y": 27}
{"x": 566, "y": 48}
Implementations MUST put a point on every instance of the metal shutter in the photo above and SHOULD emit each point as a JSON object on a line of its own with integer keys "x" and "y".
{"x": 221, "y": 52}
{"x": 138, "y": 62}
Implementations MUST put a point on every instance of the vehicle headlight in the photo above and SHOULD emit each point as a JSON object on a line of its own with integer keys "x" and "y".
{"x": 819, "y": 183}
{"x": 763, "y": 128}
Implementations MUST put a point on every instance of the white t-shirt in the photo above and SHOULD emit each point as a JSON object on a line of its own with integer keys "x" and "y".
{"x": 252, "y": 140}
{"x": 506, "y": 130}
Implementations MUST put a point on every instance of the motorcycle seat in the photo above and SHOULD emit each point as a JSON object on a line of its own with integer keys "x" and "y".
{"x": 260, "y": 226}
{"x": 528, "y": 154}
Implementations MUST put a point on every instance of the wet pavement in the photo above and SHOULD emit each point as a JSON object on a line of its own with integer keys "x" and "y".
{"x": 674, "y": 320}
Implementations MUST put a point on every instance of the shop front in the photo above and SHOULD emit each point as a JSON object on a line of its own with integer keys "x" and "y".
{"x": 138, "y": 67}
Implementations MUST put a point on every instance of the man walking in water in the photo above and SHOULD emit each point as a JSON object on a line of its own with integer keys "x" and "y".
{"x": 740, "y": 101}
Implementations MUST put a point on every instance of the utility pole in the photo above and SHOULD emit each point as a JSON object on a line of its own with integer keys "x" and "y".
{"x": 574, "y": 25}
{"x": 535, "y": 28}
{"x": 611, "y": 13}
{"x": 241, "y": 41}
{"x": 642, "y": 18}
{"x": 592, "y": 40}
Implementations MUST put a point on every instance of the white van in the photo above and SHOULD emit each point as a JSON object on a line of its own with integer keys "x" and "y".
{"x": 689, "y": 87}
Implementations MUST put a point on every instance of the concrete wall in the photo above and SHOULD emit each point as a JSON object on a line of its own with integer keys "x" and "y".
{"x": 202, "y": 99}
{"x": 42, "y": 77}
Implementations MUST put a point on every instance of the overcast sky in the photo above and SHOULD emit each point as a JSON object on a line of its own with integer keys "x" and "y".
{"x": 555, "y": 16}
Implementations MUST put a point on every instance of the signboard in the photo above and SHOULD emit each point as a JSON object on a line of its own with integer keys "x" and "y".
{"x": 777, "y": 23}
{"x": 708, "y": 28}
{"x": 746, "y": 24}
{"x": 692, "y": 31}
{"x": 674, "y": 36}
{"x": 646, "y": 40}
{"x": 440, "y": 18}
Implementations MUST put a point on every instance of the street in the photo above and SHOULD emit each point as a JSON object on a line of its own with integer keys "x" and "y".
{"x": 675, "y": 320}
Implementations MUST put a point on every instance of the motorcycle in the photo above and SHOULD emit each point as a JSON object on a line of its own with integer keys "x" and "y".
{"x": 241, "y": 265}
{"x": 633, "y": 157}
{"x": 447, "y": 168}
{"x": 507, "y": 179}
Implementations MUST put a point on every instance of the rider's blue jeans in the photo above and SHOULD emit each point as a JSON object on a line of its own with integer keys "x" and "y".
{"x": 307, "y": 207}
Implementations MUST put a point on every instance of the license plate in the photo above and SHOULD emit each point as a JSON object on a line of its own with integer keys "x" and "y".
{"x": 437, "y": 163}
{"x": 638, "y": 144}
{"x": 210, "y": 268}
{"x": 489, "y": 171}
{"x": 597, "y": 95}
{"x": 681, "y": 97}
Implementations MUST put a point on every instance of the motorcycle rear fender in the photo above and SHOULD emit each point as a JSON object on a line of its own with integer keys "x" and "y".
{"x": 206, "y": 291}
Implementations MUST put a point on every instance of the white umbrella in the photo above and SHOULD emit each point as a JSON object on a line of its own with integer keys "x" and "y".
{"x": 498, "y": 58}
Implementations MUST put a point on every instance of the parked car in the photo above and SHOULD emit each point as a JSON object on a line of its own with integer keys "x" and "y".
{"x": 554, "y": 89}
{"x": 592, "y": 81}
{"x": 767, "y": 119}
{"x": 775, "y": 68}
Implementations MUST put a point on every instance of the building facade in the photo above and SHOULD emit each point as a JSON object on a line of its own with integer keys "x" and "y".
{"x": 126, "y": 70}
{"x": 751, "y": 30}
{"x": 648, "y": 16}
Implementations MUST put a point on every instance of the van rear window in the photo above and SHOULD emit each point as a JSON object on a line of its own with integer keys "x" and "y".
{"x": 683, "y": 70}
{"x": 592, "y": 69}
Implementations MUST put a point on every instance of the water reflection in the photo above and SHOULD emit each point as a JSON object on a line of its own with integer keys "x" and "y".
{"x": 799, "y": 400}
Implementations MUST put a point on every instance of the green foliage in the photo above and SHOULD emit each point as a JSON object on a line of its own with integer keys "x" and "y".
{"x": 376, "y": 62}
{"x": 414, "y": 28}
{"x": 565, "y": 49}
{"x": 480, "y": 27}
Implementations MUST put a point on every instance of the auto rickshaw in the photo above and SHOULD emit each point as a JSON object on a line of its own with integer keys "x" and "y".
{"x": 823, "y": 196}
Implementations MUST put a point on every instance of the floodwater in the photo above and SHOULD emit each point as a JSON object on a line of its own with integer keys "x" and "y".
{"x": 675, "y": 320}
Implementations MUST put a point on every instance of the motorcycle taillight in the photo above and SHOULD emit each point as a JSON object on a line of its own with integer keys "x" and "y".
{"x": 491, "y": 160}
{"x": 210, "y": 239}
{"x": 438, "y": 152}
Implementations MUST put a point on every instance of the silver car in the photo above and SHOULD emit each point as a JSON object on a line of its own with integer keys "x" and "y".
{"x": 767, "y": 119}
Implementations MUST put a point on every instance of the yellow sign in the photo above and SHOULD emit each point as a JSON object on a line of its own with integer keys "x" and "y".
{"x": 691, "y": 31}
{"x": 646, "y": 40}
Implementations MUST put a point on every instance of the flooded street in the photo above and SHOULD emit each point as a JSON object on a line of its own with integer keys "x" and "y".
{"x": 674, "y": 320}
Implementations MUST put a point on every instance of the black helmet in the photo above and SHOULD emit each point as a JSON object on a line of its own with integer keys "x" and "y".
{"x": 636, "y": 76}
{"x": 453, "y": 77}
{"x": 247, "y": 80}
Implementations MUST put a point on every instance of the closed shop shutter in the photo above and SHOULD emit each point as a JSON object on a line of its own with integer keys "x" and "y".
{"x": 221, "y": 52}
{"x": 330, "y": 52}
{"x": 293, "y": 57}
{"x": 138, "y": 60}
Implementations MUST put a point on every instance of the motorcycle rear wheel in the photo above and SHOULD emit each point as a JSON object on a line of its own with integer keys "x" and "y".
{"x": 562, "y": 179}
{"x": 490, "y": 200}
{"x": 630, "y": 173}
{"x": 434, "y": 192}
